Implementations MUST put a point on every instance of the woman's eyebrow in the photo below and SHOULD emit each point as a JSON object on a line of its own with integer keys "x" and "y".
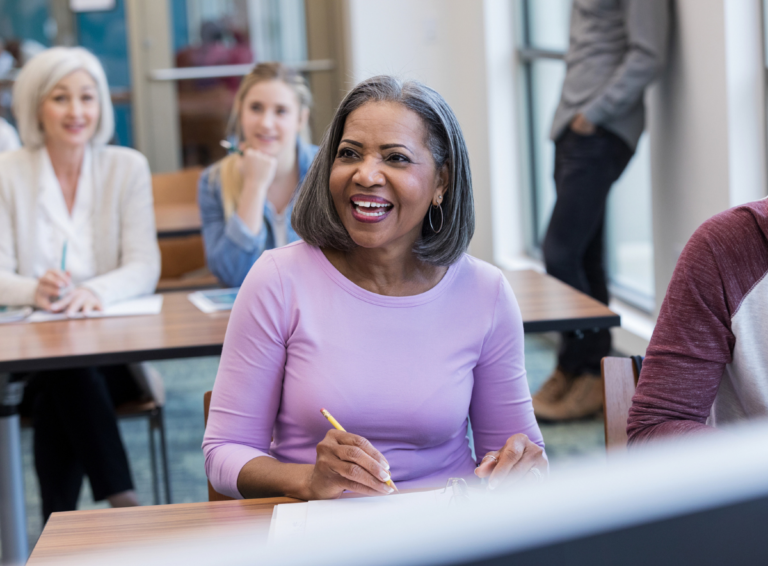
{"x": 391, "y": 145}
{"x": 358, "y": 144}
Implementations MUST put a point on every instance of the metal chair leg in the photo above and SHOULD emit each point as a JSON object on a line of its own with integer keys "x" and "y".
{"x": 153, "y": 460}
{"x": 164, "y": 454}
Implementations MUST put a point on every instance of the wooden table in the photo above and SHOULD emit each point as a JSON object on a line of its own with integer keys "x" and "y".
{"x": 69, "y": 534}
{"x": 181, "y": 331}
{"x": 177, "y": 219}
{"x": 548, "y": 304}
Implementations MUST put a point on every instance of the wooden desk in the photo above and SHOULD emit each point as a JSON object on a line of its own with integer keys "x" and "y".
{"x": 179, "y": 331}
{"x": 182, "y": 331}
{"x": 177, "y": 219}
{"x": 548, "y": 304}
{"x": 69, "y": 534}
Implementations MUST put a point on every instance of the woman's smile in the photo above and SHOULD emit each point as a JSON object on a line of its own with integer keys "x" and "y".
{"x": 370, "y": 208}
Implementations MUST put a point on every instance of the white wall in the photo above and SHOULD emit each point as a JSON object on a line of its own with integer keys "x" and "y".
{"x": 465, "y": 51}
{"x": 707, "y": 122}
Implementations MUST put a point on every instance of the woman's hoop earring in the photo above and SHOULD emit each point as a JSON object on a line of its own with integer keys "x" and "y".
{"x": 429, "y": 214}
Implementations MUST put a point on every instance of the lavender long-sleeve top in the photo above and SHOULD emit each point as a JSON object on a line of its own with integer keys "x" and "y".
{"x": 404, "y": 372}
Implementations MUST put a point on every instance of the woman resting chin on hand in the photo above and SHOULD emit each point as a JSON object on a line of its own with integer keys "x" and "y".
{"x": 379, "y": 316}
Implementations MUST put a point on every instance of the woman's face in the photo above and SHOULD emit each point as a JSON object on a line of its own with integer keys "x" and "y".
{"x": 69, "y": 114}
{"x": 383, "y": 178}
{"x": 272, "y": 118}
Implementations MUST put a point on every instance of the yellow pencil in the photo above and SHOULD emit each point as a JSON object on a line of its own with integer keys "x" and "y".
{"x": 337, "y": 426}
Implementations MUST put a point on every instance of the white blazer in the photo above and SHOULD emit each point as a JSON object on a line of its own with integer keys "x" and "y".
{"x": 124, "y": 237}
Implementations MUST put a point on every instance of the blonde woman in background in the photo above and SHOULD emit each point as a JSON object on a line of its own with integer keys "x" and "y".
{"x": 67, "y": 188}
{"x": 246, "y": 199}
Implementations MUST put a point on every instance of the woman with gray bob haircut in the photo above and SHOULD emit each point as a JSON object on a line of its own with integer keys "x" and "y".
{"x": 315, "y": 218}
{"x": 38, "y": 79}
{"x": 379, "y": 317}
{"x": 77, "y": 233}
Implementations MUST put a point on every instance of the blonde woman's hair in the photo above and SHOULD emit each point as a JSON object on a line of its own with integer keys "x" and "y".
{"x": 231, "y": 179}
{"x": 37, "y": 79}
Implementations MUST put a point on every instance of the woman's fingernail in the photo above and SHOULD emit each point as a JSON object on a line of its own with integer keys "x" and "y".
{"x": 390, "y": 490}
{"x": 476, "y": 472}
{"x": 386, "y": 465}
{"x": 492, "y": 484}
{"x": 384, "y": 475}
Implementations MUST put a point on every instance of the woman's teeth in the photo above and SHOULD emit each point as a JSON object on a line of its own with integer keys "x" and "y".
{"x": 378, "y": 208}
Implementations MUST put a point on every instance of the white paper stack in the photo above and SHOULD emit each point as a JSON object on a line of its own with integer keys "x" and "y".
{"x": 291, "y": 521}
{"x": 152, "y": 304}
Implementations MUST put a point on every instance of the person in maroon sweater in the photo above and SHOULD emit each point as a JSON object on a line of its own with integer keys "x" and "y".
{"x": 707, "y": 363}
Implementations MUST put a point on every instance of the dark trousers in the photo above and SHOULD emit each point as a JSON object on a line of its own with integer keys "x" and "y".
{"x": 76, "y": 432}
{"x": 585, "y": 169}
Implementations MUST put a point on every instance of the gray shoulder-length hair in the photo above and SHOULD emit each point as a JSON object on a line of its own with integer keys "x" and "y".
{"x": 314, "y": 216}
{"x": 38, "y": 77}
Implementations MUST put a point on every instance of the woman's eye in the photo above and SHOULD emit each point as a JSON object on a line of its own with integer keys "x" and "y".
{"x": 346, "y": 153}
{"x": 59, "y": 98}
{"x": 282, "y": 111}
{"x": 398, "y": 158}
{"x": 256, "y": 107}
{"x": 88, "y": 97}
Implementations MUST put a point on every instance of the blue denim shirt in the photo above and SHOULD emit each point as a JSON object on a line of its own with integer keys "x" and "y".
{"x": 230, "y": 246}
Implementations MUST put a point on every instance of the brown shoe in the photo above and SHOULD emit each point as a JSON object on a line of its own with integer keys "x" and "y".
{"x": 553, "y": 390}
{"x": 584, "y": 399}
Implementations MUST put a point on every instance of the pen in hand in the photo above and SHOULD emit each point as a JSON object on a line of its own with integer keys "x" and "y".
{"x": 62, "y": 292}
{"x": 337, "y": 426}
{"x": 64, "y": 256}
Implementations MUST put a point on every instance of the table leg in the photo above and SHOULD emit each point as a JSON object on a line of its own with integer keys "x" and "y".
{"x": 13, "y": 512}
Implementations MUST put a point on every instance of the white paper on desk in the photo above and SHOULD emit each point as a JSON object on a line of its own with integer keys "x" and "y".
{"x": 288, "y": 522}
{"x": 293, "y": 520}
{"x": 151, "y": 304}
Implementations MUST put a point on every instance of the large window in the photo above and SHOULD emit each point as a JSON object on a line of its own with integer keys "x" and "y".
{"x": 629, "y": 245}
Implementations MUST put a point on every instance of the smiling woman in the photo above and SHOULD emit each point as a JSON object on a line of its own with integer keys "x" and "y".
{"x": 246, "y": 198}
{"x": 77, "y": 233}
{"x": 379, "y": 316}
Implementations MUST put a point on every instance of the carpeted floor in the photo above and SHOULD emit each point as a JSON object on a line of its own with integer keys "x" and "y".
{"x": 187, "y": 380}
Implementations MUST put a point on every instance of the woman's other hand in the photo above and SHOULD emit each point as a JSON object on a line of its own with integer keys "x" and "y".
{"x": 81, "y": 301}
{"x": 517, "y": 458}
{"x": 50, "y": 287}
{"x": 347, "y": 461}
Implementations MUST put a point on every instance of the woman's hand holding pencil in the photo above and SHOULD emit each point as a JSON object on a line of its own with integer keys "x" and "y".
{"x": 52, "y": 285}
{"x": 348, "y": 462}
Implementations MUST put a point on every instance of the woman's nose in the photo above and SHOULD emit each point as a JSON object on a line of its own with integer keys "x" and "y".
{"x": 75, "y": 108}
{"x": 268, "y": 119}
{"x": 368, "y": 173}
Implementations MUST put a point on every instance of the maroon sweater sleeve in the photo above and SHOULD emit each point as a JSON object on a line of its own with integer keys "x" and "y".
{"x": 693, "y": 340}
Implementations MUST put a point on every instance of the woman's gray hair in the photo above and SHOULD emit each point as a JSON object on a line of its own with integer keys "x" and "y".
{"x": 315, "y": 218}
{"x": 43, "y": 72}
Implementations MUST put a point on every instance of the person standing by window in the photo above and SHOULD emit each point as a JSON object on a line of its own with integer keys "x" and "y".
{"x": 617, "y": 47}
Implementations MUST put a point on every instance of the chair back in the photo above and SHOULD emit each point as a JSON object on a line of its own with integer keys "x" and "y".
{"x": 182, "y": 257}
{"x": 178, "y": 187}
{"x": 213, "y": 495}
{"x": 619, "y": 382}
